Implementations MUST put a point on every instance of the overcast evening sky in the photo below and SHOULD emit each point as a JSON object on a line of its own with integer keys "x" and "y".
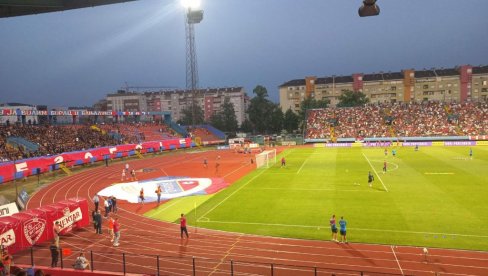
{"x": 74, "y": 58}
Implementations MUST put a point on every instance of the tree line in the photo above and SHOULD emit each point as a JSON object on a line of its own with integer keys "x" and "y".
{"x": 264, "y": 116}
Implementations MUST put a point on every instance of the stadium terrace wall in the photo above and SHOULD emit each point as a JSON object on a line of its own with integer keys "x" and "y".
{"x": 403, "y": 144}
{"x": 478, "y": 140}
{"x": 26, "y": 167}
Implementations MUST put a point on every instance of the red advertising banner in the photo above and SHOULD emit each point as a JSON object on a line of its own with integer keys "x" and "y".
{"x": 27, "y": 167}
{"x": 25, "y": 229}
{"x": 9, "y": 228}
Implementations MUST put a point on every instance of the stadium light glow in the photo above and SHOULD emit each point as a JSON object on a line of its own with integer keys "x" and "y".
{"x": 191, "y": 4}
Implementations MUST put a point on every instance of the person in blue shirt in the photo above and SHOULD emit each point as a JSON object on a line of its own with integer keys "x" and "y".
{"x": 343, "y": 224}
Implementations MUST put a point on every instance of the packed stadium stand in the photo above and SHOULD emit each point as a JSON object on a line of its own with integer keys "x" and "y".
{"x": 399, "y": 120}
{"x": 204, "y": 133}
{"x": 23, "y": 141}
{"x": 139, "y": 132}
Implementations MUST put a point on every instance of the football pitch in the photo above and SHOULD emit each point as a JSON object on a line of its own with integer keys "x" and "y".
{"x": 436, "y": 197}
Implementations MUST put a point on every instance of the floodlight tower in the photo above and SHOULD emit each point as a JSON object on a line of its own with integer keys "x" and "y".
{"x": 193, "y": 16}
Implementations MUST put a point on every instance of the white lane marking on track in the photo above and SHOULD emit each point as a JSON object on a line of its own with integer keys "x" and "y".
{"x": 394, "y": 254}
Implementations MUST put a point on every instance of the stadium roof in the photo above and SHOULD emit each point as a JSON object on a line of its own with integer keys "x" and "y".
{"x": 480, "y": 69}
{"x": 425, "y": 73}
{"x": 10, "y": 8}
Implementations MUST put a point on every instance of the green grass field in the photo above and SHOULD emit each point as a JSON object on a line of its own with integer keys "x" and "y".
{"x": 436, "y": 197}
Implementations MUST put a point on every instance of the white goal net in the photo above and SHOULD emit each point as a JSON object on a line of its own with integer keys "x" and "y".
{"x": 266, "y": 159}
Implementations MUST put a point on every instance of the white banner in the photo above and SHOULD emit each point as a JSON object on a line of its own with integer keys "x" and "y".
{"x": 8, "y": 210}
{"x": 7, "y": 238}
{"x": 69, "y": 218}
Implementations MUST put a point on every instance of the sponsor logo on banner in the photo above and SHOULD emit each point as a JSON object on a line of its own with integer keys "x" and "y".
{"x": 69, "y": 218}
{"x": 182, "y": 141}
{"x": 33, "y": 229}
{"x": 460, "y": 143}
{"x": 8, "y": 210}
{"x": 7, "y": 238}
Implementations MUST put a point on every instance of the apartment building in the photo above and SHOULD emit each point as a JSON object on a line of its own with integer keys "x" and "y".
{"x": 459, "y": 84}
{"x": 176, "y": 100}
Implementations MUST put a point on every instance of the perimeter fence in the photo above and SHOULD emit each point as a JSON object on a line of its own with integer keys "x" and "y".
{"x": 182, "y": 264}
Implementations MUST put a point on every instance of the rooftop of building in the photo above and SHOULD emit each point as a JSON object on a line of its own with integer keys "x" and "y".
{"x": 383, "y": 76}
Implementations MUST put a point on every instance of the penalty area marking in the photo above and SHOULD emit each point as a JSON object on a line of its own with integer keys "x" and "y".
{"x": 375, "y": 172}
{"x": 244, "y": 185}
{"x": 294, "y": 189}
{"x": 439, "y": 173}
{"x": 358, "y": 229}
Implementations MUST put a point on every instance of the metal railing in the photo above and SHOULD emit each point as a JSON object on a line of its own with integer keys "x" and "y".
{"x": 181, "y": 264}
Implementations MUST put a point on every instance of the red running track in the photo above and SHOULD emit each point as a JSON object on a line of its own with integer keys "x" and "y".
{"x": 143, "y": 239}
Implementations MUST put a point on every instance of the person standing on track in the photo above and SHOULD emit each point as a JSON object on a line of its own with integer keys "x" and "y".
{"x": 116, "y": 232}
{"x": 342, "y": 224}
{"x": 98, "y": 222}
{"x": 56, "y": 232}
{"x": 141, "y": 195}
{"x": 54, "y": 254}
{"x": 114, "y": 205}
{"x": 106, "y": 204}
{"x": 123, "y": 175}
{"x": 217, "y": 165}
{"x": 205, "y": 163}
{"x": 111, "y": 228}
{"x": 333, "y": 228}
{"x": 96, "y": 201}
{"x": 183, "y": 226}
{"x": 158, "y": 193}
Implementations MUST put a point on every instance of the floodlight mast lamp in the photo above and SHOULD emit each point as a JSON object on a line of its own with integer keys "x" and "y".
{"x": 193, "y": 16}
{"x": 369, "y": 8}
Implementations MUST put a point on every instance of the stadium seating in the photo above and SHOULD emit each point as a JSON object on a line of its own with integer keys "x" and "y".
{"x": 400, "y": 120}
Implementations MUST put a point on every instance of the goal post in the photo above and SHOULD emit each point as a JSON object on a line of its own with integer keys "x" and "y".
{"x": 266, "y": 159}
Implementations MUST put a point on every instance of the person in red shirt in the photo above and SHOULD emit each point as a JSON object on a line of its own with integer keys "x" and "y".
{"x": 111, "y": 228}
{"x": 283, "y": 162}
{"x": 183, "y": 226}
{"x": 116, "y": 232}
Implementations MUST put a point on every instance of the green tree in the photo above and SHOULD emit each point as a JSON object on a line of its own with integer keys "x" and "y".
{"x": 246, "y": 126}
{"x": 229, "y": 116}
{"x": 350, "y": 98}
{"x": 260, "y": 109}
{"x": 290, "y": 121}
{"x": 187, "y": 116}
{"x": 217, "y": 121}
{"x": 276, "y": 119}
{"x": 226, "y": 118}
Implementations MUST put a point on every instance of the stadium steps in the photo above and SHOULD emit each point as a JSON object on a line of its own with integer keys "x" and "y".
{"x": 21, "y": 142}
{"x": 65, "y": 169}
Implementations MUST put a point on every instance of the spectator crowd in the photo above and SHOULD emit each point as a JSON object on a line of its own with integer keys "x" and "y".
{"x": 53, "y": 139}
{"x": 399, "y": 120}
